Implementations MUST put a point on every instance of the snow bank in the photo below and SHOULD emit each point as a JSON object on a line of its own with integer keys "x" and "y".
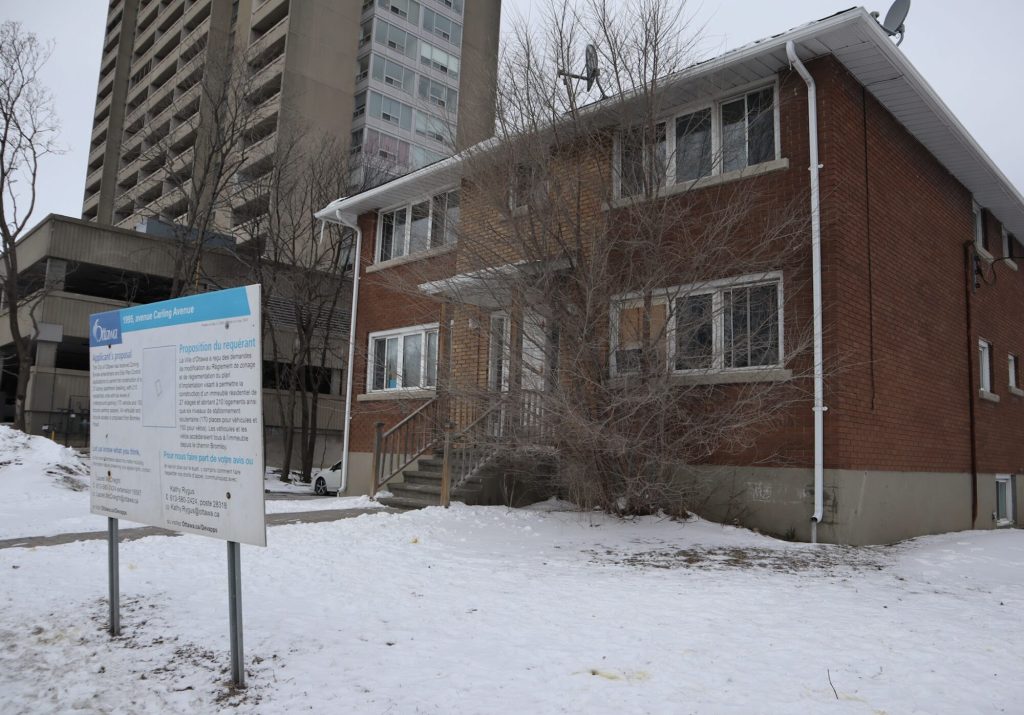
{"x": 43, "y": 487}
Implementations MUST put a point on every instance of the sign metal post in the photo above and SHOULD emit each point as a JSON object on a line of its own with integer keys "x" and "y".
{"x": 235, "y": 613}
{"x": 113, "y": 577}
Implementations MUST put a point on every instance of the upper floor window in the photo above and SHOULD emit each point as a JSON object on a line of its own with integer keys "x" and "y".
{"x": 455, "y": 5}
{"x": 432, "y": 127}
{"x": 390, "y": 110}
{"x": 725, "y": 325}
{"x": 985, "y": 366}
{"x": 396, "y": 39}
{"x": 439, "y": 60}
{"x": 405, "y": 9}
{"x": 393, "y": 74}
{"x": 729, "y": 135}
{"x": 439, "y": 94}
{"x": 1011, "y": 250}
{"x": 418, "y": 227}
{"x": 442, "y": 27}
{"x": 980, "y": 233}
{"x": 1014, "y": 369}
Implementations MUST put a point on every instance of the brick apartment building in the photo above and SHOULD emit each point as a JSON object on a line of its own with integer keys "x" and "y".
{"x": 921, "y": 296}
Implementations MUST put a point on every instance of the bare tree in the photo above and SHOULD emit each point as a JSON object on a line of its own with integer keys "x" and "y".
{"x": 630, "y": 307}
{"x": 301, "y": 264}
{"x": 29, "y": 133}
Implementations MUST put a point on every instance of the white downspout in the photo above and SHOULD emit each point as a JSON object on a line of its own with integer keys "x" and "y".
{"x": 349, "y": 369}
{"x": 819, "y": 378}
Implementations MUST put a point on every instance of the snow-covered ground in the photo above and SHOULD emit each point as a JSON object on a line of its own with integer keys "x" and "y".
{"x": 44, "y": 490}
{"x": 487, "y": 610}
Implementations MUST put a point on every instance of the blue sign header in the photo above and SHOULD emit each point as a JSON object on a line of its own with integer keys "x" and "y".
{"x": 108, "y": 328}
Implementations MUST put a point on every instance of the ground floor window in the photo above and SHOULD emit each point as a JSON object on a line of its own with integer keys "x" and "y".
{"x": 1004, "y": 499}
{"x": 721, "y": 325}
{"x": 405, "y": 358}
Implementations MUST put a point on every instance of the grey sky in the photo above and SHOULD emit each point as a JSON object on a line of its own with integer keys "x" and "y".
{"x": 969, "y": 52}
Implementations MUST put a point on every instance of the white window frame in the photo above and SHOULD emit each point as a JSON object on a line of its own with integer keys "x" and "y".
{"x": 506, "y": 356}
{"x": 715, "y": 105}
{"x": 402, "y": 333}
{"x": 1013, "y": 365}
{"x": 1008, "y": 241}
{"x": 407, "y": 208}
{"x": 978, "y": 221}
{"x": 454, "y": 37}
{"x": 716, "y": 289}
{"x": 985, "y": 366}
{"x": 1005, "y": 481}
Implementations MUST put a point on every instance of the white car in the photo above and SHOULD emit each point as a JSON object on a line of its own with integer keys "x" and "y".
{"x": 327, "y": 481}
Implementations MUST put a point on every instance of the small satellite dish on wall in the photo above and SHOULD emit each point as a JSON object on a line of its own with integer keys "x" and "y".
{"x": 894, "y": 19}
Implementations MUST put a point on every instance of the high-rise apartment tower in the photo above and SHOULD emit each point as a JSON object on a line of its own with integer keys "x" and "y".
{"x": 402, "y": 81}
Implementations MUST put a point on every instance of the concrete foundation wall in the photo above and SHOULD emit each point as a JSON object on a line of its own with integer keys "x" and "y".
{"x": 861, "y": 507}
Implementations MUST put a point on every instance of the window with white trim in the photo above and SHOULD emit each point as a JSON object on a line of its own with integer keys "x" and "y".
{"x": 405, "y": 9}
{"x": 985, "y": 365}
{"x": 418, "y": 227}
{"x": 722, "y": 326}
{"x": 1011, "y": 250}
{"x": 431, "y": 127}
{"x": 1013, "y": 363}
{"x": 725, "y": 136}
{"x": 980, "y": 234}
{"x": 441, "y": 26}
{"x": 403, "y": 359}
{"x": 1004, "y": 513}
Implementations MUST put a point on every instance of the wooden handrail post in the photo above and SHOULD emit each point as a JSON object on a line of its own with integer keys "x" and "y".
{"x": 446, "y": 468}
{"x": 378, "y": 436}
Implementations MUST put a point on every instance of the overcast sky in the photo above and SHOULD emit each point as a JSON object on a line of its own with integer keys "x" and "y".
{"x": 971, "y": 53}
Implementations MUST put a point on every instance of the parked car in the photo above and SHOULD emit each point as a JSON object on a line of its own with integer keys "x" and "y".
{"x": 327, "y": 481}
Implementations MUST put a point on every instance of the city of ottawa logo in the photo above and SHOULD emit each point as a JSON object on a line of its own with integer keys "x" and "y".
{"x": 104, "y": 335}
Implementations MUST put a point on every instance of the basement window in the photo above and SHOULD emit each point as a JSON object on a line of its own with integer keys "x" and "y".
{"x": 1004, "y": 513}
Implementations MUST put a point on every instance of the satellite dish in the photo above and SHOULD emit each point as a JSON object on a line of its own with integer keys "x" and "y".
{"x": 592, "y": 70}
{"x": 894, "y": 18}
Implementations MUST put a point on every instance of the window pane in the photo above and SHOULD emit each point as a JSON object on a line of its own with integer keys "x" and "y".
{"x": 412, "y": 352}
{"x": 438, "y": 232}
{"x": 451, "y": 225}
{"x": 734, "y": 135}
{"x": 398, "y": 246}
{"x": 391, "y": 364}
{"x": 498, "y": 353}
{"x": 379, "y": 369}
{"x": 693, "y": 145}
{"x": 632, "y": 346}
{"x": 761, "y": 126}
{"x": 659, "y": 156}
{"x": 764, "y": 325}
{"x": 430, "y": 379}
{"x": 694, "y": 346}
{"x": 631, "y": 165}
{"x": 387, "y": 235}
{"x": 419, "y": 228}
{"x": 1001, "y": 500}
{"x": 737, "y": 344}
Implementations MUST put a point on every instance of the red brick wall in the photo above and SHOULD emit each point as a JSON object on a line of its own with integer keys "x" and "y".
{"x": 387, "y": 299}
{"x": 894, "y": 226}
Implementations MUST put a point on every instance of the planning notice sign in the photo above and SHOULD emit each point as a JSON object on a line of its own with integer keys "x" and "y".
{"x": 177, "y": 415}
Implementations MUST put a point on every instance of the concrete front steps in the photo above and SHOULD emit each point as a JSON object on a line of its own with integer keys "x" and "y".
{"x": 422, "y": 487}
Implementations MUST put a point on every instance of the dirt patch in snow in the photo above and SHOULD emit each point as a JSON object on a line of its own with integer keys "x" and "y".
{"x": 828, "y": 559}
